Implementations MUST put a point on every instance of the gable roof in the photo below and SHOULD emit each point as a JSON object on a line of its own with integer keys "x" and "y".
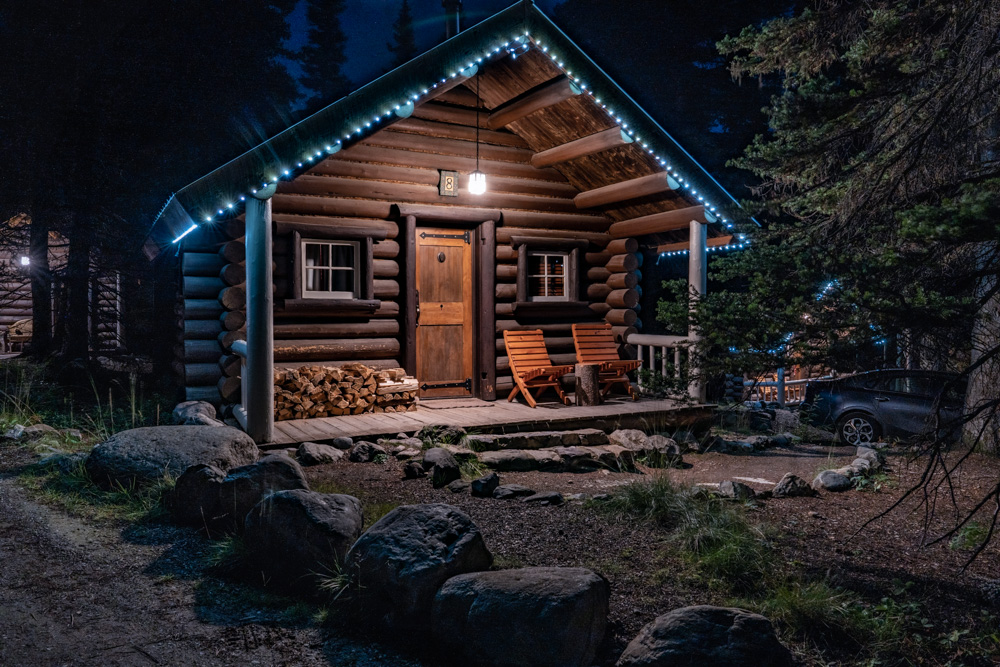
{"x": 510, "y": 33}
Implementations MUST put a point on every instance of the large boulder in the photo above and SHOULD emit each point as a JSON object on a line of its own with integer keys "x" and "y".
{"x": 792, "y": 486}
{"x": 629, "y": 438}
{"x": 831, "y": 480}
{"x": 442, "y": 466}
{"x": 196, "y": 498}
{"x": 366, "y": 452}
{"x": 706, "y": 636}
{"x": 144, "y": 455}
{"x": 399, "y": 564}
{"x": 522, "y": 618}
{"x": 195, "y": 413}
{"x": 485, "y": 485}
{"x": 314, "y": 453}
{"x": 297, "y": 537}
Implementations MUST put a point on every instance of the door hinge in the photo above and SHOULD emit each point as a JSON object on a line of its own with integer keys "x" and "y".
{"x": 465, "y": 236}
{"x": 448, "y": 385}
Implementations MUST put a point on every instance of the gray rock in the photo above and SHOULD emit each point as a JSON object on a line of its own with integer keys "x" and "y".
{"x": 400, "y": 562}
{"x": 485, "y": 485}
{"x": 792, "y": 486}
{"x": 65, "y": 464}
{"x": 536, "y": 616}
{"x": 246, "y": 486}
{"x": 629, "y": 438}
{"x": 442, "y": 466}
{"x": 314, "y": 453}
{"x": 508, "y": 491}
{"x": 458, "y": 486}
{"x": 72, "y": 434}
{"x": 196, "y": 498}
{"x": 144, "y": 455}
{"x": 831, "y": 480}
{"x": 785, "y": 420}
{"x": 737, "y": 490}
{"x": 740, "y": 447}
{"x": 36, "y": 431}
{"x": 874, "y": 456}
{"x": 441, "y": 434}
{"x": 366, "y": 452}
{"x": 414, "y": 470}
{"x": 536, "y": 440}
{"x": 521, "y": 460}
{"x": 194, "y": 413}
{"x": 15, "y": 432}
{"x": 296, "y": 537}
{"x": 342, "y": 442}
{"x": 544, "y": 498}
{"x": 406, "y": 454}
{"x": 861, "y": 465}
{"x": 406, "y": 443}
{"x": 708, "y": 637}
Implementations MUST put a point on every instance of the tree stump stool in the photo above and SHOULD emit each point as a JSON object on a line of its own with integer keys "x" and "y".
{"x": 588, "y": 386}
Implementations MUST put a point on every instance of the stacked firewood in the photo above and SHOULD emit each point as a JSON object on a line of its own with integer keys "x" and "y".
{"x": 351, "y": 389}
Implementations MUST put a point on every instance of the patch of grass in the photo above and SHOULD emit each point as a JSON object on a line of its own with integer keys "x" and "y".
{"x": 227, "y": 556}
{"x": 969, "y": 536}
{"x": 372, "y": 509}
{"x": 504, "y": 562}
{"x": 221, "y": 598}
{"x": 77, "y": 493}
{"x": 873, "y": 482}
{"x": 473, "y": 469}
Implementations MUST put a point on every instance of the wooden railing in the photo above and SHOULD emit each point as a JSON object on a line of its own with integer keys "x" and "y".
{"x": 780, "y": 391}
{"x": 239, "y": 348}
{"x": 667, "y": 352}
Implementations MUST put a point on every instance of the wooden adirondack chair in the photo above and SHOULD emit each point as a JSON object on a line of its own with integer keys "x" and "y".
{"x": 531, "y": 367}
{"x": 595, "y": 344}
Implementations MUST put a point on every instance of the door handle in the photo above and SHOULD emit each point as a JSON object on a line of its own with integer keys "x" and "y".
{"x": 881, "y": 399}
{"x": 417, "y": 297}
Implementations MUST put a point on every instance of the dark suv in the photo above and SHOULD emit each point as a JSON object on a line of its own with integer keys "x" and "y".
{"x": 890, "y": 403}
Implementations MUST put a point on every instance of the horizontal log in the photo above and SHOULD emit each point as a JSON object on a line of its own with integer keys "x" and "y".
{"x": 227, "y": 338}
{"x": 600, "y": 308}
{"x": 233, "y": 252}
{"x": 622, "y": 281}
{"x": 310, "y": 216}
{"x": 201, "y": 264}
{"x": 327, "y": 207}
{"x": 514, "y": 325}
{"x": 202, "y": 309}
{"x": 505, "y": 253}
{"x": 385, "y": 250}
{"x": 590, "y": 145}
{"x": 622, "y": 333}
{"x": 201, "y": 329}
{"x": 597, "y": 258}
{"x": 553, "y": 344}
{"x": 385, "y": 268}
{"x": 446, "y": 113}
{"x": 208, "y": 394}
{"x": 623, "y": 191}
{"x": 623, "y": 298}
{"x": 318, "y": 330}
{"x": 661, "y": 222}
{"x": 543, "y": 96}
{"x": 598, "y": 291}
{"x": 233, "y": 274}
{"x": 713, "y": 242}
{"x": 505, "y": 233}
{"x": 233, "y": 298}
{"x": 236, "y": 228}
{"x": 201, "y": 374}
{"x": 230, "y": 365}
{"x": 360, "y": 348}
{"x": 429, "y": 128}
{"x": 554, "y": 221}
{"x": 377, "y": 364}
{"x": 507, "y": 272}
{"x": 368, "y": 153}
{"x": 623, "y": 246}
{"x": 623, "y": 317}
{"x": 317, "y": 308}
{"x": 622, "y": 263}
{"x": 503, "y": 363}
{"x": 506, "y": 292}
{"x": 597, "y": 274}
{"x": 230, "y": 389}
{"x": 195, "y": 287}
{"x": 233, "y": 320}
{"x": 448, "y": 147}
{"x": 201, "y": 351}
{"x": 386, "y": 289}
{"x": 446, "y": 213}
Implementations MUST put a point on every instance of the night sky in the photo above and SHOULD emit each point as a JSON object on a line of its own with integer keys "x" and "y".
{"x": 368, "y": 26}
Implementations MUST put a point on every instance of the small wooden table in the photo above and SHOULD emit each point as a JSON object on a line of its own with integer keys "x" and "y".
{"x": 588, "y": 386}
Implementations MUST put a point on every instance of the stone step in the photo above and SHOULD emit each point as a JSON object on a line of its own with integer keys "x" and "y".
{"x": 572, "y": 458}
{"x": 536, "y": 440}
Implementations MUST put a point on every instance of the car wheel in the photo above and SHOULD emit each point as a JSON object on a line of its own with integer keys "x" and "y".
{"x": 857, "y": 428}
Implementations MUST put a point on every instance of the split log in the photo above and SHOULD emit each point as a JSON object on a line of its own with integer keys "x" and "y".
{"x": 361, "y": 348}
{"x": 376, "y": 364}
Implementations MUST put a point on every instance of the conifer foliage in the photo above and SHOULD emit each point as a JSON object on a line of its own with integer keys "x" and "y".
{"x": 323, "y": 57}
{"x": 404, "y": 41}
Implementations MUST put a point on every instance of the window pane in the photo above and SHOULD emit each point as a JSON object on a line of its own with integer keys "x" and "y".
{"x": 317, "y": 254}
{"x": 536, "y": 286}
{"x": 535, "y": 264}
{"x": 342, "y": 255}
{"x": 317, "y": 280}
{"x": 556, "y": 287}
{"x": 342, "y": 280}
{"x": 555, "y": 264}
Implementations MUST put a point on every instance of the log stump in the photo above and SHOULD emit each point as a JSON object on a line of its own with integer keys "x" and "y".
{"x": 588, "y": 386}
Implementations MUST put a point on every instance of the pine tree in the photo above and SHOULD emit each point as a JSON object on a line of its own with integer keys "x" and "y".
{"x": 404, "y": 41}
{"x": 323, "y": 57}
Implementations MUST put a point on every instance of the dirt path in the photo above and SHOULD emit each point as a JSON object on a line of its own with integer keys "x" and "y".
{"x": 75, "y": 593}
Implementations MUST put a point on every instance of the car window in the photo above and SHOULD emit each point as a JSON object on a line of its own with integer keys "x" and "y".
{"x": 919, "y": 385}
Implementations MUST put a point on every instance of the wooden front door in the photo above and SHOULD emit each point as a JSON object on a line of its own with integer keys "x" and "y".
{"x": 445, "y": 347}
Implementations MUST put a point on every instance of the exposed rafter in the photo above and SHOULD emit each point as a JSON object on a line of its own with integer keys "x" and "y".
{"x": 545, "y": 95}
{"x": 595, "y": 143}
{"x": 632, "y": 189}
{"x": 684, "y": 245}
{"x": 661, "y": 222}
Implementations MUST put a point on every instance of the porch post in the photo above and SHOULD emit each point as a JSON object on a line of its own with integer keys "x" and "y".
{"x": 697, "y": 287}
{"x": 259, "y": 378}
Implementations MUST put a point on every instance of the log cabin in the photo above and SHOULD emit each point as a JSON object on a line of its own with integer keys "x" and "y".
{"x": 500, "y": 181}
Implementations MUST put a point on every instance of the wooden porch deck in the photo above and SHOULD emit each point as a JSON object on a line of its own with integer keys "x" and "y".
{"x": 496, "y": 416}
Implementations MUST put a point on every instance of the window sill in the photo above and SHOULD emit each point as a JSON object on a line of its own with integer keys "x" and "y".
{"x": 332, "y": 307}
{"x": 543, "y": 308}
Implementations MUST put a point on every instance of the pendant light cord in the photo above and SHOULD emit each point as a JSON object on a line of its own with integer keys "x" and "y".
{"x": 479, "y": 103}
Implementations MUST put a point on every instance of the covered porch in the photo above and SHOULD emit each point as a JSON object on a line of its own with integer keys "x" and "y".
{"x": 616, "y": 412}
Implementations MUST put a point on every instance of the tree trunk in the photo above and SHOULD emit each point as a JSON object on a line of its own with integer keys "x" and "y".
{"x": 77, "y": 342}
{"x": 983, "y": 381}
{"x": 41, "y": 285}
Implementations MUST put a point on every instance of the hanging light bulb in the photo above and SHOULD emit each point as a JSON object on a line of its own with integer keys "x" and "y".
{"x": 477, "y": 179}
{"x": 477, "y": 182}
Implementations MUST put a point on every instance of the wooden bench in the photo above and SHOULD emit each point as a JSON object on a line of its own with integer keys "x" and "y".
{"x": 531, "y": 367}
{"x": 595, "y": 344}
{"x": 19, "y": 333}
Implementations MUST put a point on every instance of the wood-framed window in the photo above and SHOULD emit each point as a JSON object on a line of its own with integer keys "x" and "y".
{"x": 329, "y": 269}
{"x": 548, "y": 272}
{"x": 547, "y": 275}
